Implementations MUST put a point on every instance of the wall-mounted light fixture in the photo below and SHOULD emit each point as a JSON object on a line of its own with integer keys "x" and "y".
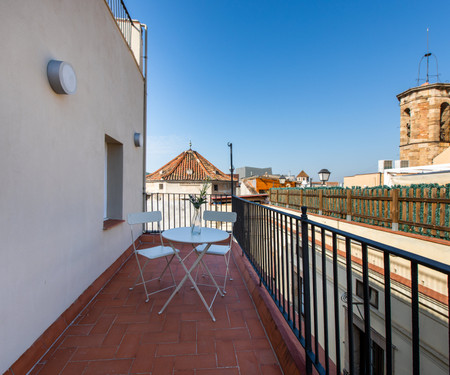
{"x": 61, "y": 77}
{"x": 138, "y": 140}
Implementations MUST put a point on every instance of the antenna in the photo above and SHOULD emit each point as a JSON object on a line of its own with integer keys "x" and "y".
{"x": 427, "y": 55}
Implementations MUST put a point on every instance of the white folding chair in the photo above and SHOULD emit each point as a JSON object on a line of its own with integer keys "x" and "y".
{"x": 219, "y": 250}
{"x": 150, "y": 253}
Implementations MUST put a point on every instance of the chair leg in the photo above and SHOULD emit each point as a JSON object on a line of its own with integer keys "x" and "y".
{"x": 196, "y": 272}
{"x": 144, "y": 282}
{"x": 227, "y": 262}
{"x": 170, "y": 269}
{"x": 167, "y": 266}
{"x": 139, "y": 276}
{"x": 142, "y": 276}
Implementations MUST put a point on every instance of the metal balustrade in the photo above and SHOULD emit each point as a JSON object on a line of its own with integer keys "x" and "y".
{"x": 177, "y": 210}
{"x": 382, "y": 307}
{"x": 123, "y": 18}
{"x": 366, "y": 312}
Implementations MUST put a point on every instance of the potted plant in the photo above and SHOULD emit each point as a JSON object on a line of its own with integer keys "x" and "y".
{"x": 197, "y": 201}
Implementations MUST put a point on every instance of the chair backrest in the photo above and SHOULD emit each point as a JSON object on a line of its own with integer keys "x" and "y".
{"x": 144, "y": 217}
{"x": 228, "y": 217}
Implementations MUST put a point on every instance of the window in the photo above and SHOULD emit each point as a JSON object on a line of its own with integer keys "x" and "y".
{"x": 376, "y": 354}
{"x": 296, "y": 296}
{"x": 113, "y": 195}
{"x": 373, "y": 293}
{"x": 161, "y": 186}
{"x": 444, "y": 135}
{"x": 216, "y": 187}
{"x": 407, "y": 114}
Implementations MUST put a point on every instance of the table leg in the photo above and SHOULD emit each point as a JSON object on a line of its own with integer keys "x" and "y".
{"x": 212, "y": 278}
{"x": 188, "y": 275}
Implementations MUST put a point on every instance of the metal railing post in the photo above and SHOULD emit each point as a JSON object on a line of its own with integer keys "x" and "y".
{"x": 307, "y": 290}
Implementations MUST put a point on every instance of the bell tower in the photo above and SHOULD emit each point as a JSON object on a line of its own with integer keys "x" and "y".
{"x": 424, "y": 122}
{"x": 424, "y": 119}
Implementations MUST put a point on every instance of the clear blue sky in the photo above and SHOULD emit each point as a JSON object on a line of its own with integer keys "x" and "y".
{"x": 292, "y": 84}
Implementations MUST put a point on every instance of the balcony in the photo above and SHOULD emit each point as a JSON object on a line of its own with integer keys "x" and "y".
{"x": 117, "y": 332}
{"x": 275, "y": 308}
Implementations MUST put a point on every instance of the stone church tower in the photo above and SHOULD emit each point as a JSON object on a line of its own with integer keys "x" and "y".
{"x": 424, "y": 122}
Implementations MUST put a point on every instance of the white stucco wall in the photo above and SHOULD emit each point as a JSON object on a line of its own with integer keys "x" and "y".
{"x": 52, "y": 155}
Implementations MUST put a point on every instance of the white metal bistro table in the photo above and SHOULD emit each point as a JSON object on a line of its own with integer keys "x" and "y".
{"x": 207, "y": 236}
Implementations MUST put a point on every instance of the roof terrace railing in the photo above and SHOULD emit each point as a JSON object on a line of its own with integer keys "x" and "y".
{"x": 177, "y": 210}
{"x": 343, "y": 296}
{"x": 123, "y": 18}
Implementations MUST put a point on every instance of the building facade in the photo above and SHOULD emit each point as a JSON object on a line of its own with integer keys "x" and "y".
{"x": 302, "y": 178}
{"x": 68, "y": 161}
{"x": 424, "y": 123}
{"x": 186, "y": 174}
{"x": 245, "y": 172}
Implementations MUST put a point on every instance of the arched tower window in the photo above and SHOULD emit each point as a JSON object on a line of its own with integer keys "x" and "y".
{"x": 444, "y": 135}
{"x": 407, "y": 114}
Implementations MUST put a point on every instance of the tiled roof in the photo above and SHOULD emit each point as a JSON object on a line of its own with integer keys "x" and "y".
{"x": 302, "y": 174}
{"x": 188, "y": 166}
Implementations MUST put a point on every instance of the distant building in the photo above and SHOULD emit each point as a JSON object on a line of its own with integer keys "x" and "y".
{"x": 302, "y": 178}
{"x": 364, "y": 180}
{"x": 262, "y": 184}
{"x": 424, "y": 123}
{"x": 327, "y": 183}
{"x": 186, "y": 174}
{"x": 245, "y": 172}
{"x": 424, "y": 140}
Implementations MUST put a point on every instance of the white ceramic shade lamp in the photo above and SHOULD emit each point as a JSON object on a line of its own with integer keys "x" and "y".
{"x": 62, "y": 77}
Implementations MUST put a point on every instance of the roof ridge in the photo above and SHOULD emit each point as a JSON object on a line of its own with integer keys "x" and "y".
{"x": 199, "y": 157}
{"x": 165, "y": 165}
{"x": 177, "y": 163}
{"x": 189, "y": 161}
{"x": 217, "y": 169}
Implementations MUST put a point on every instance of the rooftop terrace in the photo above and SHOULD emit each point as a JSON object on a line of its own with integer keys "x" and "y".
{"x": 118, "y": 333}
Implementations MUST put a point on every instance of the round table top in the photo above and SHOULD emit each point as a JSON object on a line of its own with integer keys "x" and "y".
{"x": 184, "y": 234}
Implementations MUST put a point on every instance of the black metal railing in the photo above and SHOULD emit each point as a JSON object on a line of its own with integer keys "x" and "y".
{"x": 177, "y": 210}
{"x": 123, "y": 19}
{"x": 319, "y": 277}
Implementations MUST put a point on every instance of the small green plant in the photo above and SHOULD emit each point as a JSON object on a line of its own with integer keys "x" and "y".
{"x": 197, "y": 201}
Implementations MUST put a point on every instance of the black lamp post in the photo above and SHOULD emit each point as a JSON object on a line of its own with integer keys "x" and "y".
{"x": 230, "y": 145}
{"x": 324, "y": 175}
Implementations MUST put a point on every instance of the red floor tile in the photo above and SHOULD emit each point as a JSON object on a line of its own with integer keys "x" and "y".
{"x": 109, "y": 367}
{"x": 118, "y": 333}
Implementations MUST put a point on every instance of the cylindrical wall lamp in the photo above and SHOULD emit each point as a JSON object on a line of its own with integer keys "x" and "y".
{"x": 138, "y": 140}
{"x": 61, "y": 77}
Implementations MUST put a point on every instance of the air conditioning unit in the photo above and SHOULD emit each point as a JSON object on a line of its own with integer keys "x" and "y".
{"x": 401, "y": 163}
{"x": 384, "y": 164}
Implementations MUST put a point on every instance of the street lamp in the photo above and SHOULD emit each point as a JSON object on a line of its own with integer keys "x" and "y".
{"x": 324, "y": 175}
{"x": 230, "y": 145}
{"x": 282, "y": 180}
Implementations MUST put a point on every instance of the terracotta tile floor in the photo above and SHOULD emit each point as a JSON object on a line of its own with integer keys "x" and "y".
{"x": 118, "y": 333}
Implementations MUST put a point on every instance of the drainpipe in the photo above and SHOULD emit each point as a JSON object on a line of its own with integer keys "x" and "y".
{"x": 144, "y": 187}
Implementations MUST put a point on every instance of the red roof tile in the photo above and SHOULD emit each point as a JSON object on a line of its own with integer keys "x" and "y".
{"x": 188, "y": 166}
{"x": 302, "y": 174}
